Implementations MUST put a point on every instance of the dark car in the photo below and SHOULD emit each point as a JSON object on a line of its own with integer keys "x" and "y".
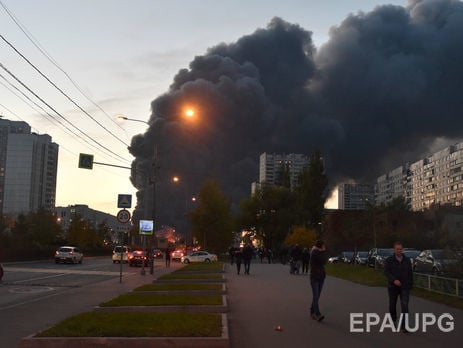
{"x": 1, "y": 271}
{"x": 377, "y": 256}
{"x": 137, "y": 258}
{"x": 360, "y": 258}
{"x": 346, "y": 256}
{"x": 435, "y": 261}
{"x": 157, "y": 254}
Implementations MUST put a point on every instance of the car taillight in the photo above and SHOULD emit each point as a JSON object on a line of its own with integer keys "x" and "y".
{"x": 71, "y": 252}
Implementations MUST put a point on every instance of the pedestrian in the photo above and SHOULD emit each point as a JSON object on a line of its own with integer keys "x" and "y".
{"x": 231, "y": 252}
{"x": 296, "y": 256}
{"x": 318, "y": 259}
{"x": 399, "y": 274}
{"x": 167, "y": 257}
{"x": 238, "y": 259}
{"x": 270, "y": 255}
{"x": 247, "y": 256}
{"x": 305, "y": 260}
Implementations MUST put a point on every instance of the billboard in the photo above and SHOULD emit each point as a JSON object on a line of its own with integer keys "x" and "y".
{"x": 146, "y": 227}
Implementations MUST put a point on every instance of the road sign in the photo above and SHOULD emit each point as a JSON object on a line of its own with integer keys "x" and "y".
{"x": 123, "y": 216}
{"x": 124, "y": 201}
{"x": 85, "y": 161}
{"x": 146, "y": 227}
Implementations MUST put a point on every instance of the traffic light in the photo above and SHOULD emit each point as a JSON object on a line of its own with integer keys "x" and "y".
{"x": 85, "y": 161}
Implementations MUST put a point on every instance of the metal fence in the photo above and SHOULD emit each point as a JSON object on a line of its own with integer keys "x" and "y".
{"x": 442, "y": 285}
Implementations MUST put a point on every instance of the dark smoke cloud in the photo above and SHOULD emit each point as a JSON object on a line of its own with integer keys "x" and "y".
{"x": 379, "y": 92}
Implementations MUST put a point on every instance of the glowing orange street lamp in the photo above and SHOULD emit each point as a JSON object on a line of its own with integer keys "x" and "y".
{"x": 175, "y": 179}
{"x": 189, "y": 113}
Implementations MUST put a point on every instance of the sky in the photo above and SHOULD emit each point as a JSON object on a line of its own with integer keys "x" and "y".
{"x": 122, "y": 55}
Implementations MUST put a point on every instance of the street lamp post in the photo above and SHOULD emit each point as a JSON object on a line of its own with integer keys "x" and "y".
{"x": 189, "y": 113}
{"x": 176, "y": 180}
{"x": 146, "y": 214}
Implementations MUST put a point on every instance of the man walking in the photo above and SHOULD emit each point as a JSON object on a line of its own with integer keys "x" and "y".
{"x": 318, "y": 259}
{"x": 247, "y": 256}
{"x": 399, "y": 273}
{"x": 167, "y": 257}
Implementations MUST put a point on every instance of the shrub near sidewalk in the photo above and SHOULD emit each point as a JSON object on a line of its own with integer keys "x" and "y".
{"x": 127, "y": 324}
{"x": 368, "y": 276}
{"x": 143, "y": 299}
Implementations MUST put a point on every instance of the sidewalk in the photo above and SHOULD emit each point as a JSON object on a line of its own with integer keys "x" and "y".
{"x": 271, "y": 297}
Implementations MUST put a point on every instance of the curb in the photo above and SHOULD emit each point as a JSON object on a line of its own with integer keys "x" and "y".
{"x": 134, "y": 342}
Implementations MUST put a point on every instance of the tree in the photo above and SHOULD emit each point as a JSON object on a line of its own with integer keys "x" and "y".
{"x": 303, "y": 236}
{"x": 211, "y": 220}
{"x": 270, "y": 211}
{"x": 44, "y": 230}
{"x": 82, "y": 233}
{"x": 311, "y": 191}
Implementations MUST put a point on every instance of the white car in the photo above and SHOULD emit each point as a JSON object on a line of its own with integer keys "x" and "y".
{"x": 118, "y": 250}
{"x": 70, "y": 254}
{"x": 199, "y": 256}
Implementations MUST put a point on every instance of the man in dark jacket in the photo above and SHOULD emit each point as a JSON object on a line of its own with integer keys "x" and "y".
{"x": 318, "y": 259}
{"x": 247, "y": 256}
{"x": 399, "y": 273}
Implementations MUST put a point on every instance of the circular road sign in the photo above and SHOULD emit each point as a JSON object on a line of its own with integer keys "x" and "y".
{"x": 123, "y": 216}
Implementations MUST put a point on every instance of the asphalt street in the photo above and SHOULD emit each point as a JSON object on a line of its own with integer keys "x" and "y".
{"x": 36, "y": 295}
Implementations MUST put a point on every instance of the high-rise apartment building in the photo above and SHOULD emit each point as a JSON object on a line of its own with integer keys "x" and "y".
{"x": 435, "y": 179}
{"x": 28, "y": 169}
{"x": 392, "y": 185}
{"x": 438, "y": 179}
{"x": 272, "y": 167}
{"x": 355, "y": 196}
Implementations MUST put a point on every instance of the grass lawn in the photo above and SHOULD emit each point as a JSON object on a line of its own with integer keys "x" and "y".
{"x": 368, "y": 276}
{"x": 127, "y": 324}
{"x": 202, "y": 266}
{"x": 143, "y": 299}
{"x": 179, "y": 286}
{"x": 191, "y": 276}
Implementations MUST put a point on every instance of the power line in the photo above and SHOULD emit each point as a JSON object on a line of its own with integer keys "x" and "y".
{"x": 57, "y": 112}
{"x": 61, "y": 91}
{"x": 52, "y": 119}
{"x": 47, "y": 55}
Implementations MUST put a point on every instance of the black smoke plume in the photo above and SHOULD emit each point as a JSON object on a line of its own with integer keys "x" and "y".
{"x": 385, "y": 86}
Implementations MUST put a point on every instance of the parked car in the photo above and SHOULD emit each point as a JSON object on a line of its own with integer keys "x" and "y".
{"x": 118, "y": 250}
{"x": 435, "y": 261}
{"x": 177, "y": 255}
{"x": 360, "y": 258}
{"x": 411, "y": 254}
{"x": 70, "y": 254}
{"x": 346, "y": 256}
{"x": 1, "y": 271}
{"x": 157, "y": 254}
{"x": 138, "y": 257}
{"x": 199, "y": 256}
{"x": 377, "y": 256}
{"x": 333, "y": 259}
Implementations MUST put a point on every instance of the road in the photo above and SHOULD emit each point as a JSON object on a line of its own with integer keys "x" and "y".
{"x": 36, "y": 295}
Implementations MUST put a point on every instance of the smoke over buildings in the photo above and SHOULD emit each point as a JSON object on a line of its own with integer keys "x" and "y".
{"x": 385, "y": 86}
